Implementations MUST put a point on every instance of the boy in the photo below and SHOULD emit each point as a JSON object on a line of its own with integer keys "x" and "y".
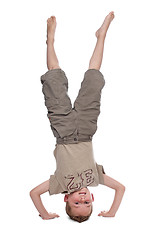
{"x": 74, "y": 128}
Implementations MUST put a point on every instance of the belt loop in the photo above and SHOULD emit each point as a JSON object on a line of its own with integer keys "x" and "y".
{"x": 65, "y": 139}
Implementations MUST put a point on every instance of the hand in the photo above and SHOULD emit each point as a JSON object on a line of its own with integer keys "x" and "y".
{"x": 49, "y": 216}
{"x": 106, "y": 214}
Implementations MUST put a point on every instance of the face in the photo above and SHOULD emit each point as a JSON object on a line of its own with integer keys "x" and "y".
{"x": 80, "y": 202}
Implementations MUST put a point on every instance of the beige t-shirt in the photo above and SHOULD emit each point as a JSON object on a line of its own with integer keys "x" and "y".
{"x": 76, "y": 168}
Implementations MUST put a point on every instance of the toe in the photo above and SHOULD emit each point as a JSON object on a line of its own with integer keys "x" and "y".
{"x": 48, "y": 20}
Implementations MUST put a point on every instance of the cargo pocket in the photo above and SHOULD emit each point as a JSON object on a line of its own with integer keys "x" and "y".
{"x": 62, "y": 117}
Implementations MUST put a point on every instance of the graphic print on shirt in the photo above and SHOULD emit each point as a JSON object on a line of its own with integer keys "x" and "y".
{"x": 85, "y": 175}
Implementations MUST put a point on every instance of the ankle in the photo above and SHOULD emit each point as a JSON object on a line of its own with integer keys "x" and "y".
{"x": 50, "y": 41}
{"x": 100, "y": 36}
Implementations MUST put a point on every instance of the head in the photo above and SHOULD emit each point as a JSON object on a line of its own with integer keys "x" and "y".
{"x": 79, "y": 204}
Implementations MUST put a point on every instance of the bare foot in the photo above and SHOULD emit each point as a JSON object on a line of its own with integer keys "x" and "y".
{"x": 51, "y": 27}
{"x": 103, "y": 29}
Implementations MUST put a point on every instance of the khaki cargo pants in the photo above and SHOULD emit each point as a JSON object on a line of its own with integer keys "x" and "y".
{"x": 78, "y": 123}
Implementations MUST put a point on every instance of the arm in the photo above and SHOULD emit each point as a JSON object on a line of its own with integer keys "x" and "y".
{"x": 119, "y": 192}
{"x": 35, "y": 196}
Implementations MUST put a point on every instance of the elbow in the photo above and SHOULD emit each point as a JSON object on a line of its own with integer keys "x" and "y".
{"x": 121, "y": 188}
{"x": 32, "y": 193}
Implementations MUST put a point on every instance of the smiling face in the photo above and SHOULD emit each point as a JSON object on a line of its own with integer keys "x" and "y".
{"x": 80, "y": 202}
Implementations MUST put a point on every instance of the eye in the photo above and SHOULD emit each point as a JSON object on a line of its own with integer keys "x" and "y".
{"x": 76, "y": 203}
{"x": 86, "y": 202}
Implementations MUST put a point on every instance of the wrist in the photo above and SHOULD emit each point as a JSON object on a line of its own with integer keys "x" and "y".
{"x": 112, "y": 213}
{"x": 44, "y": 215}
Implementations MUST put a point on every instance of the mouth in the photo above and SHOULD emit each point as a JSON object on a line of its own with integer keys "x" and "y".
{"x": 82, "y": 193}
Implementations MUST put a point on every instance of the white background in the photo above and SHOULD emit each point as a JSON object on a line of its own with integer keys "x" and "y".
{"x": 128, "y": 138}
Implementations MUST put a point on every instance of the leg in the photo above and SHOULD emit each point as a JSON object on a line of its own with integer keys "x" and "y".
{"x": 52, "y": 61}
{"x": 87, "y": 103}
{"x": 55, "y": 90}
{"x": 96, "y": 59}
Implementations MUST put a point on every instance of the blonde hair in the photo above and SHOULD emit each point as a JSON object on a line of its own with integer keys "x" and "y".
{"x": 76, "y": 218}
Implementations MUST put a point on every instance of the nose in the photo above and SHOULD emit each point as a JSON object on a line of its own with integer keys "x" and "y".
{"x": 82, "y": 199}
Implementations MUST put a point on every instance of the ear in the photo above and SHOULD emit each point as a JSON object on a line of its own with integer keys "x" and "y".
{"x": 92, "y": 197}
{"x": 66, "y": 198}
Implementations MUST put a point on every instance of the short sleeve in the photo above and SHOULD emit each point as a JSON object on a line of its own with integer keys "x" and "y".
{"x": 54, "y": 186}
{"x": 101, "y": 171}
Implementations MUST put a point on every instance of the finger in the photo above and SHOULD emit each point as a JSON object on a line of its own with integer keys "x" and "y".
{"x": 55, "y": 216}
{"x": 100, "y": 214}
